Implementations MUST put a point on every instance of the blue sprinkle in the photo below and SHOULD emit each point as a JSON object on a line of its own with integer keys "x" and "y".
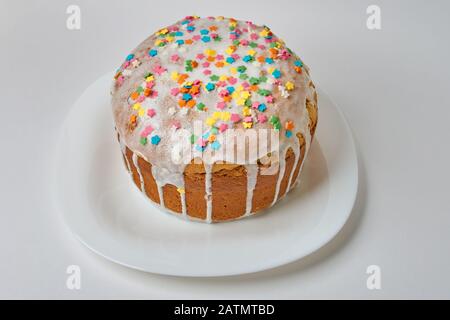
{"x": 178, "y": 34}
{"x": 210, "y": 86}
{"x": 262, "y": 107}
{"x": 180, "y": 42}
{"x": 269, "y": 60}
{"x": 153, "y": 52}
{"x": 200, "y": 148}
{"x": 155, "y": 139}
{"x": 204, "y": 31}
{"x": 288, "y": 133}
{"x": 276, "y": 74}
{"x": 298, "y": 63}
{"x": 215, "y": 145}
{"x": 130, "y": 57}
{"x": 190, "y": 28}
{"x": 230, "y": 89}
{"x": 247, "y": 58}
{"x": 185, "y": 22}
{"x": 206, "y": 38}
{"x": 205, "y": 136}
{"x": 230, "y": 60}
{"x": 187, "y": 96}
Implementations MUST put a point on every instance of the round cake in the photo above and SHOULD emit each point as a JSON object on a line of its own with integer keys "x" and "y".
{"x": 214, "y": 117}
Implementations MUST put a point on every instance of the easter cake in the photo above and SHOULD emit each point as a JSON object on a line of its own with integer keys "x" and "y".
{"x": 214, "y": 117}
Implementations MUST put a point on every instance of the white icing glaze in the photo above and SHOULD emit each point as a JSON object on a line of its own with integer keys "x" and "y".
{"x": 138, "y": 170}
{"x": 288, "y": 105}
{"x": 208, "y": 192}
{"x": 252, "y": 176}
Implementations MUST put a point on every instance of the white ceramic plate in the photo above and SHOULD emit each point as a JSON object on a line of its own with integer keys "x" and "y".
{"x": 111, "y": 217}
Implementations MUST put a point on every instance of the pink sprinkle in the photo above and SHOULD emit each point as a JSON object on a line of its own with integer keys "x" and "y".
{"x": 232, "y": 80}
{"x": 151, "y": 112}
{"x": 207, "y": 72}
{"x": 200, "y": 56}
{"x": 270, "y": 99}
{"x": 219, "y": 57}
{"x": 175, "y": 58}
{"x": 254, "y": 36}
{"x": 196, "y": 37}
{"x": 140, "y": 99}
{"x": 233, "y": 36}
{"x": 235, "y": 56}
{"x": 262, "y": 118}
{"x": 154, "y": 94}
{"x": 126, "y": 64}
{"x": 245, "y": 85}
{"x": 202, "y": 142}
{"x": 224, "y": 93}
{"x": 248, "y": 119}
{"x": 150, "y": 84}
{"x": 158, "y": 69}
{"x": 221, "y": 105}
{"x": 174, "y": 91}
{"x": 205, "y": 64}
{"x": 147, "y": 131}
{"x": 255, "y": 105}
{"x": 244, "y": 42}
{"x": 223, "y": 127}
{"x": 221, "y": 83}
{"x": 262, "y": 47}
{"x": 235, "y": 118}
{"x": 214, "y": 35}
{"x": 176, "y": 124}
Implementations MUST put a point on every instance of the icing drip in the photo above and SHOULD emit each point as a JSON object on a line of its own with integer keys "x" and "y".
{"x": 252, "y": 175}
{"x": 123, "y": 148}
{"x": 183, "y": 204}
{"x": 282, "y": 163}
{"x": 208, "y": 192}
{"x": 138, "y": 169}
{"x": 297, "y": 153}
{"x": 156, "y": 175}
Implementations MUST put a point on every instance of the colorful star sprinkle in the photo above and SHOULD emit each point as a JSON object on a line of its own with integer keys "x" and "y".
{"x": 234, "y": 84}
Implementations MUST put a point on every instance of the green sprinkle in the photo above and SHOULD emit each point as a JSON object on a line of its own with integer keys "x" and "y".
{"x": 144, "y": 141}
{"x": 243, "y": 76}
{"x": 214, "y": 78}
{"x": 254, "y": 81}
{"x": 264, "y": 92}
{"x": 200, "y": 106}
{"x": 193, "y": 138}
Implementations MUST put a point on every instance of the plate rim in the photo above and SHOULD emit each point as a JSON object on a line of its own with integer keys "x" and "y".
{"x": 250, "y": 269}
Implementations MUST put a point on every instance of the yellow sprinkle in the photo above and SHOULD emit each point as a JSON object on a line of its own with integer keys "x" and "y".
{"x": 210, "y": 121}
{"x": 247, "y": 125}
{"x": 181, "y": 190}
{"x": 271, "y": 70}
{"x": 164, "y": 31}
{"x": 233, "y": 70}
{"x": 223, "y": 78}
{"x": 251, "y": 52}
{"x": 240, "y": 102}
{"x": 210, "y": 52}
{"x": 149, "y": 78}
{"x": 212, "y": 138}
{"x": 137, "y": 106}
{"x": 170, "y": 39}
{"x": 289, "y": 86}
{"x": 247, "y": 111}
{"x": 225, "y": 116}
{"x": 216, "y": 115}
{"x": 245, "y": 94}
{"x": 174, "y": 75}
{"x": 141, "y": 112}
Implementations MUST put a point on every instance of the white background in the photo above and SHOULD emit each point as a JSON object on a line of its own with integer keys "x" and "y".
{"x": 392, "y": 84}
